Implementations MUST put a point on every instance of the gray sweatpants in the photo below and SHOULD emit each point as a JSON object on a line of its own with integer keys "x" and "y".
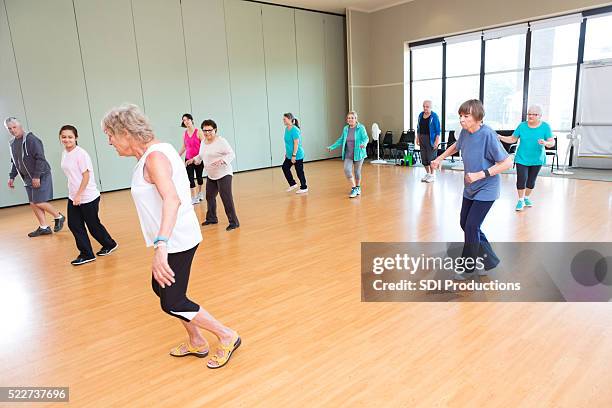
{"x": 349, "y": 164}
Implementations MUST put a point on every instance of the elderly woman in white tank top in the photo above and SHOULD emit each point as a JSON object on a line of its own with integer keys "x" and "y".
{"x": 169, "y": 224}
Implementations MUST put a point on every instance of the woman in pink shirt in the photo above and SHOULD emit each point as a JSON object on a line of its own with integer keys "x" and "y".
{"x": 83, "y": 199}
{"x": 191, "y": 147}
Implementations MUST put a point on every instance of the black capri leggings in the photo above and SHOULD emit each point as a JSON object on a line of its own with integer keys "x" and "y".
{"x": 194, "y": 171}
{"x": 526, "y": 176}
{"x": 173, "y": 299}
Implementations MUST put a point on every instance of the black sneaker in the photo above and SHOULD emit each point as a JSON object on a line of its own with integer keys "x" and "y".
{"x": 59, "y": 223}
{"x": 232, "y": 226}
{"x": 40, "y": 231}
{"x": 210, "y": 222}
{"x": 82, "y": 260}
{"x": 107, "y": 251}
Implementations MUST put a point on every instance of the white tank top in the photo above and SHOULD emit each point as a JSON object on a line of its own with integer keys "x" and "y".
{"x": 186, "y": 233}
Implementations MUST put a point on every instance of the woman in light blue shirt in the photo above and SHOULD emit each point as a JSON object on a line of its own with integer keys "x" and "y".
{"x": 294, "y": 154}
{"x": 353, "y": 140}
{"x": 535, "y": 135}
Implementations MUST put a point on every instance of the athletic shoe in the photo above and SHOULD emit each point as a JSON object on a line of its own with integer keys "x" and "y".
{"x": 528, "y": 202}
{"x": 232, "y": 226}
{"x": 431, "y": 178}
{"x": 107, "y": 251}
{"x": 201, "y": 196}
{"x": 291, "y": 188}
{"x": 40, "y": 231}
{"x": 354, "y": 192}
{"x": 519, "y": 205}
{"x": 209, "y": 222}
{"x": 463, "y": 276}
{"x": 302, "y": 191}
{"x": 82, "y": 260}
{"x": 195, "y": 200}
{"x": 425, "y": 177}
{"x": 358, "y": 190}
{"x": 59, "y": 223}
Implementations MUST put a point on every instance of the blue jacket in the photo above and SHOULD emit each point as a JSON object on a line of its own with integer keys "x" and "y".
{"x": 434, "y": 126}
{"x": 361, "y": 138}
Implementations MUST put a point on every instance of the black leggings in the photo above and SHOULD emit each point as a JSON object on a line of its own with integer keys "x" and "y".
{"x": 173, "y": 299}
{"x": 526, "y": 176}
{"x": 299, "y": 169}
{"x": 195, "y": 171}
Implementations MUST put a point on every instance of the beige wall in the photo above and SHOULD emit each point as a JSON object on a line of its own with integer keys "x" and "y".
{"x": 422, "y": 19}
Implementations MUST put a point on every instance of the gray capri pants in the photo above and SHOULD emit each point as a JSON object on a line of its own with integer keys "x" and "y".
{"x": 348, "y": 168}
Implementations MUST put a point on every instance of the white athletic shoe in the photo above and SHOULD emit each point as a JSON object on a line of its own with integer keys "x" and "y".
{"x": 425, "y": 177}
{"x": 201, "y": 196}
{"x": 194, "y": 200}
{"x": 291, "y": 188}
{"x": 302, "y": 191}
{"x": 430, "y": 178}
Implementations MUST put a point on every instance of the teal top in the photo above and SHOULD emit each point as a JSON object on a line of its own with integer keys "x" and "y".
{"x": 530, "y": 152}
{"x": 291, "y": 135}
{"x": 361, "y": 138}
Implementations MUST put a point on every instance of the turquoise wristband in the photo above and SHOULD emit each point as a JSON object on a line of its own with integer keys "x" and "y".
{"x": 160, "y": 238}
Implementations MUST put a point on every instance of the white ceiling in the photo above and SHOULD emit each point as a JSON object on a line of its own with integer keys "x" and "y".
{"x": 339, "y": 6}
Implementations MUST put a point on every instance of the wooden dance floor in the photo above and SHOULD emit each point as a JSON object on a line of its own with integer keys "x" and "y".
{"x": 289, "y": 281}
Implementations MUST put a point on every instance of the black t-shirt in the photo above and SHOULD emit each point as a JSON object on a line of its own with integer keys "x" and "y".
{"x": 424, "y": 126}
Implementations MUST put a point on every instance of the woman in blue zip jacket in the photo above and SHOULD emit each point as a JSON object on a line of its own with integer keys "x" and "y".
{"x": 353, "y": 141}
{"x": 428, "y": 138}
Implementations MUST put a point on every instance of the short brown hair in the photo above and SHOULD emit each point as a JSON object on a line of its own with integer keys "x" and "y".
{"x": 472, "y": 107}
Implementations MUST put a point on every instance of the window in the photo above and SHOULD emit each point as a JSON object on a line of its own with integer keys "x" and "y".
{"x": 598, "y": 41}
{"x": 462, "y": 77}
{"x": 552, "y": 77}
{"x": 426, "y": 79}
{"x": 503, "y": 84}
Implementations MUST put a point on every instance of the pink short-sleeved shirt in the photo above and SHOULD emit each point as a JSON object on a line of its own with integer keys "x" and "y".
{"x": 74, "y": 164}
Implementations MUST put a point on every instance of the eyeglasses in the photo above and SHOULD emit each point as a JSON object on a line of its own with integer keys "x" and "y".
{"x": 533, "y": 114}
{"x": 208, "y": 130}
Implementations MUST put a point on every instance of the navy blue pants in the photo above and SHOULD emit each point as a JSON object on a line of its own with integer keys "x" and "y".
{"x": 473, "y": 213}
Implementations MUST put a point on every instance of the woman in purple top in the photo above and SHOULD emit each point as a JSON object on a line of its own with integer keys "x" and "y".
{"x": 484, "y": 158}
{"x": 191, "y": 147}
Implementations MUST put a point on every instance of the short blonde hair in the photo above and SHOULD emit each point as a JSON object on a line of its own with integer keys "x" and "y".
{"x": 352, "y": 113}
{"x": 130, "y": 119}
{"x": 472, "y": 107}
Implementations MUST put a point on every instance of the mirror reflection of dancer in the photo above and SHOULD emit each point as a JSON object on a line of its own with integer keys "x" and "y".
{"x": 28, "y": 160}
{"x": 484, "y": 158}
{"x": 353, "y": 140}
{"x": 294, "y": 154}
{"x": 169, "y": 224}
{"x": 83, "y": 199}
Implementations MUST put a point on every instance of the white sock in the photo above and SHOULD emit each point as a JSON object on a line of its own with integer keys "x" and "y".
{"x": 44, "y": 226}
{"x": 520, "y": 199}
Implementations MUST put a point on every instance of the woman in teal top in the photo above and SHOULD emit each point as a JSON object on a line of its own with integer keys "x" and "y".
{"x": 353, "y": 141}
{"x": 534, "y": 135}
{"x": 294, "y": 154}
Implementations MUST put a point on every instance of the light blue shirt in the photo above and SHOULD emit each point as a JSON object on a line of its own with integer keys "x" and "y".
{"x": 290, "y": 136}
{"x": 530, "y": 152}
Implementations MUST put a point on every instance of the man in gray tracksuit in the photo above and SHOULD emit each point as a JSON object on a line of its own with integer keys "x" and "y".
{"x": 28, "y": 160}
